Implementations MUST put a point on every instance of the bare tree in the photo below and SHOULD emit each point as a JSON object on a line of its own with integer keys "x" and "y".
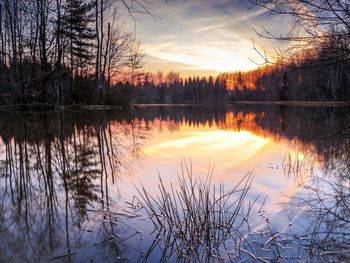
{"x": 47, "y": 45}
{"x": 116, "y": 51}
{"x": 314, "y": 23}
{"x": 135, "y": 60}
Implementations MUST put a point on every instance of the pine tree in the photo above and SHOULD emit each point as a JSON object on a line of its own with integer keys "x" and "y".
{"x": 76, "y": 28}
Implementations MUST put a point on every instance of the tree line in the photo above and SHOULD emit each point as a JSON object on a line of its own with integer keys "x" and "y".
{"x": 64, "y": 51}
{"x": 171, "y": 88}
{"x": 307, "y": 76}
{"x": 314, "y": 66}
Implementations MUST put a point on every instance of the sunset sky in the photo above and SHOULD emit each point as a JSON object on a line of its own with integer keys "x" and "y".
{"x": 203, "y": 37}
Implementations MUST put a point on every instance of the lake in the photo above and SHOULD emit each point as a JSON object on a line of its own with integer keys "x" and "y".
{"x": 70, "y": 181}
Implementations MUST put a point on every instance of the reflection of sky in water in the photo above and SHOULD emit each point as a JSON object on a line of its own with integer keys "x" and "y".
{"x": 232, "y": 153}
{"x": 235, "y": 144}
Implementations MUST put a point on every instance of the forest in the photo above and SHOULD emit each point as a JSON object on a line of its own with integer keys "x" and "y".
{"x": 67, "y": 52}
{"x": 171, "y": 88}
{"x": 305, "y": 78}
{"x": 314, "y": 66}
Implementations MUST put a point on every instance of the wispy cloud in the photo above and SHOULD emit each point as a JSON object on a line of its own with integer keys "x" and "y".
{"x": 209, "y": 35}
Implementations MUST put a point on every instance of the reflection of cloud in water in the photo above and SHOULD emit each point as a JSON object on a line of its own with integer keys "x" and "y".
{"x": 233, "y": 153}
{"x": 57, "y": 164}
{"x": 211, "y": 142}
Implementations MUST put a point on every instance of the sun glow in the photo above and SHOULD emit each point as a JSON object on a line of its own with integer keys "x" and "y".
{"x": 215, "y": 142}
{"x": 203, "y": 58}
{"x": 234, "y": 152}
{"x": 231, "y": 152}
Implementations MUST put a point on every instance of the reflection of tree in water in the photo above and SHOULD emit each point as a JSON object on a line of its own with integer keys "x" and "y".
{"x": 324, "y": 207}
{"x": 54, "y": 168}
{"x": 321, "y": 132}
{"x": 322, "y": 135}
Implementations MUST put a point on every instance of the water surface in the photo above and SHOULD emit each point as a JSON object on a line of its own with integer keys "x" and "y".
{"x": 66, "y": 178}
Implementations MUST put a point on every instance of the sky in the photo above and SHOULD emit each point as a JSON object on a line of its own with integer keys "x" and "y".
{"x": 204, "y": 37}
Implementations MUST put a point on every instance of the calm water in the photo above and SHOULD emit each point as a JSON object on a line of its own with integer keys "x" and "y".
{"x": 67, "y": 178}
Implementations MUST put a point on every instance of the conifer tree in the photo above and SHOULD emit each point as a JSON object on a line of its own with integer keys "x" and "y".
{"x": 76, "y": 29}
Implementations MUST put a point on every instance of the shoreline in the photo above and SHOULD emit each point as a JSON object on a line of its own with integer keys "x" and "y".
{"x": 51, "y": 107}
{"x": 282, "y": 103}
{"x": 298, "y": 103}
